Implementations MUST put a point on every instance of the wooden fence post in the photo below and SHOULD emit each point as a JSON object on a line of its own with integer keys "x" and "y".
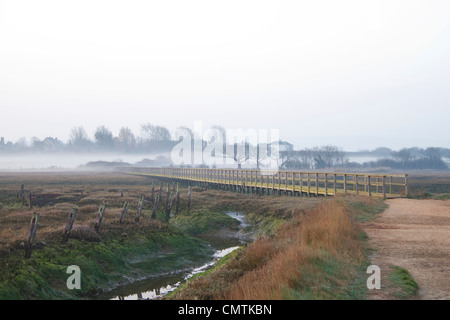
{"x": 126, "y": 205}
{"x": 317, "y": 184}
{"x": 406, "y": 185}
{"x": 139, "y": 209}
{"x": 69, "y": 225}
{"x": 100, "y": 213}
{"x": 156, "y": 204}
{"x": 167, "y": 197}
{"x": 334, "y": 183}
{"x": 31, "y": 234}
{"x": 189, "y": 198}
{"x": 178, "y": 199}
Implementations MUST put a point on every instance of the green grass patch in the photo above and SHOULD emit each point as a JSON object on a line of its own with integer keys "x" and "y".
{"x": 103, "y": 265}
{"x": 363, "y": 209}
{"x": 405, "y": 285}
{"x": 443, "y": 197}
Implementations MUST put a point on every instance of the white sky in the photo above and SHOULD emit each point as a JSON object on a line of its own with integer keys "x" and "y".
{"x": 357, "y": 74}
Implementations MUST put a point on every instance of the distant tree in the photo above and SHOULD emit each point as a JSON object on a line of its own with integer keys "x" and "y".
{"x": 432, "y": 154}
{"x": 51, "y": 144}
{"x": 104, "y": 138}
{"x": 126, "y": 139}
{"x": 21, "y": 143}
{"x": 403, "y": 156}
{"x": 36, "y": 143}
{"x": 79, "y": 138}
{"x": 383, "y": 151}
{"x": 155, "y": 133}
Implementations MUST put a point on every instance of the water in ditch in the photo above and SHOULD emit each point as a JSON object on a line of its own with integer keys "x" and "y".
{"x": 155, "y": 287}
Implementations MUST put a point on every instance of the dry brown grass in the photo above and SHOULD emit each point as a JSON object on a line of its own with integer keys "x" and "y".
{"x": 269, "y": 266}
{"x": 97, "y": 188}
{"x": 326, "y": 228}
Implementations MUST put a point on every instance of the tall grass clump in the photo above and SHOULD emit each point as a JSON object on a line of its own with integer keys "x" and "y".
{"x": 314, "y": 251}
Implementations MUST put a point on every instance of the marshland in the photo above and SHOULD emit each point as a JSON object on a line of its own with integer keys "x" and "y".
{"x": 279, "y": 247}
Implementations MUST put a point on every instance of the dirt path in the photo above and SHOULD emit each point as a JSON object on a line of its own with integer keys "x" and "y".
{"x": 415, "y": 235}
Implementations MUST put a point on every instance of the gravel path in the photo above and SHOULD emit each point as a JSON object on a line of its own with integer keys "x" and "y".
{"x": 415, "y": 235}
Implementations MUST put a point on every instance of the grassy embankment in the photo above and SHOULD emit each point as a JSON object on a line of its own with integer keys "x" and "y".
{"x": 318, "y": 252}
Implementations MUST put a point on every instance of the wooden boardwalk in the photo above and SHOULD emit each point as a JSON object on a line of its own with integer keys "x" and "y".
{"x": 285, "y": 182}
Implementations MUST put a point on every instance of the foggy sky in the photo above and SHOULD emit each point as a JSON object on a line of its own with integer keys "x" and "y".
{"x": 357, "y": 74}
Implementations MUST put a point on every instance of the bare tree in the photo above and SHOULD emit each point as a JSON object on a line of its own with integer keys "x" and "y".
{"x": 79, "y": 137}
{"x": 155, "y": 133}
{"x": 126, "y": 139}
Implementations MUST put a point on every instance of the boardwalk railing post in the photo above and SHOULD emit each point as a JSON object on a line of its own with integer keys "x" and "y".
{"x": 406, "y": 185}
{"x": 300, "y": 183}
{"x": 309, "y": 184}
{"x": 384, "y": 187}
{"x": 345, "y": 183}
{"x": 356, "y": 184}
{"x": 326, "y": 187}
{"x": 368, "y": 186}
{"x": 317, "y": 184}
{"x": 334, "y": 183}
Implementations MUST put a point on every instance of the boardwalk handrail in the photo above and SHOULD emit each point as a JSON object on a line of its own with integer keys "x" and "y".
{"x": 294, "y": 182}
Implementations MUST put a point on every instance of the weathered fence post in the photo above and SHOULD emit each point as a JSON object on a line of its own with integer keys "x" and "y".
{"x": 69, "y": 225}
{"x": 153, "y": 194}
{"x": 101, "y": 212}
{"x": 156, "y": 204}
{"x": 167, "y": 197}
{"x": 178, "y": 199}
{"x": 31, "y": 234}
{"x": 169, "y": 206}
{"x": 189, "y": 198}
{"x": 139, "y": 209}
{"x": 22, "y": 193}
{"x": 126, "y": 205}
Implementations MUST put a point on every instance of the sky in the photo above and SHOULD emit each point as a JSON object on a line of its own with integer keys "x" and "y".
{"x": 356, "y": 74}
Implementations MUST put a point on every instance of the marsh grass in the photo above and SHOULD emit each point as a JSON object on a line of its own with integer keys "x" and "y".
{"x": 317, "y": 253}
{"x": 404, "y": 284}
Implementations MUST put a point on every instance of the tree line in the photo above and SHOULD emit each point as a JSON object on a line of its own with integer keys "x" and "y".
{"x": 327, "y": 157}
{"x": 153, "y": 138}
